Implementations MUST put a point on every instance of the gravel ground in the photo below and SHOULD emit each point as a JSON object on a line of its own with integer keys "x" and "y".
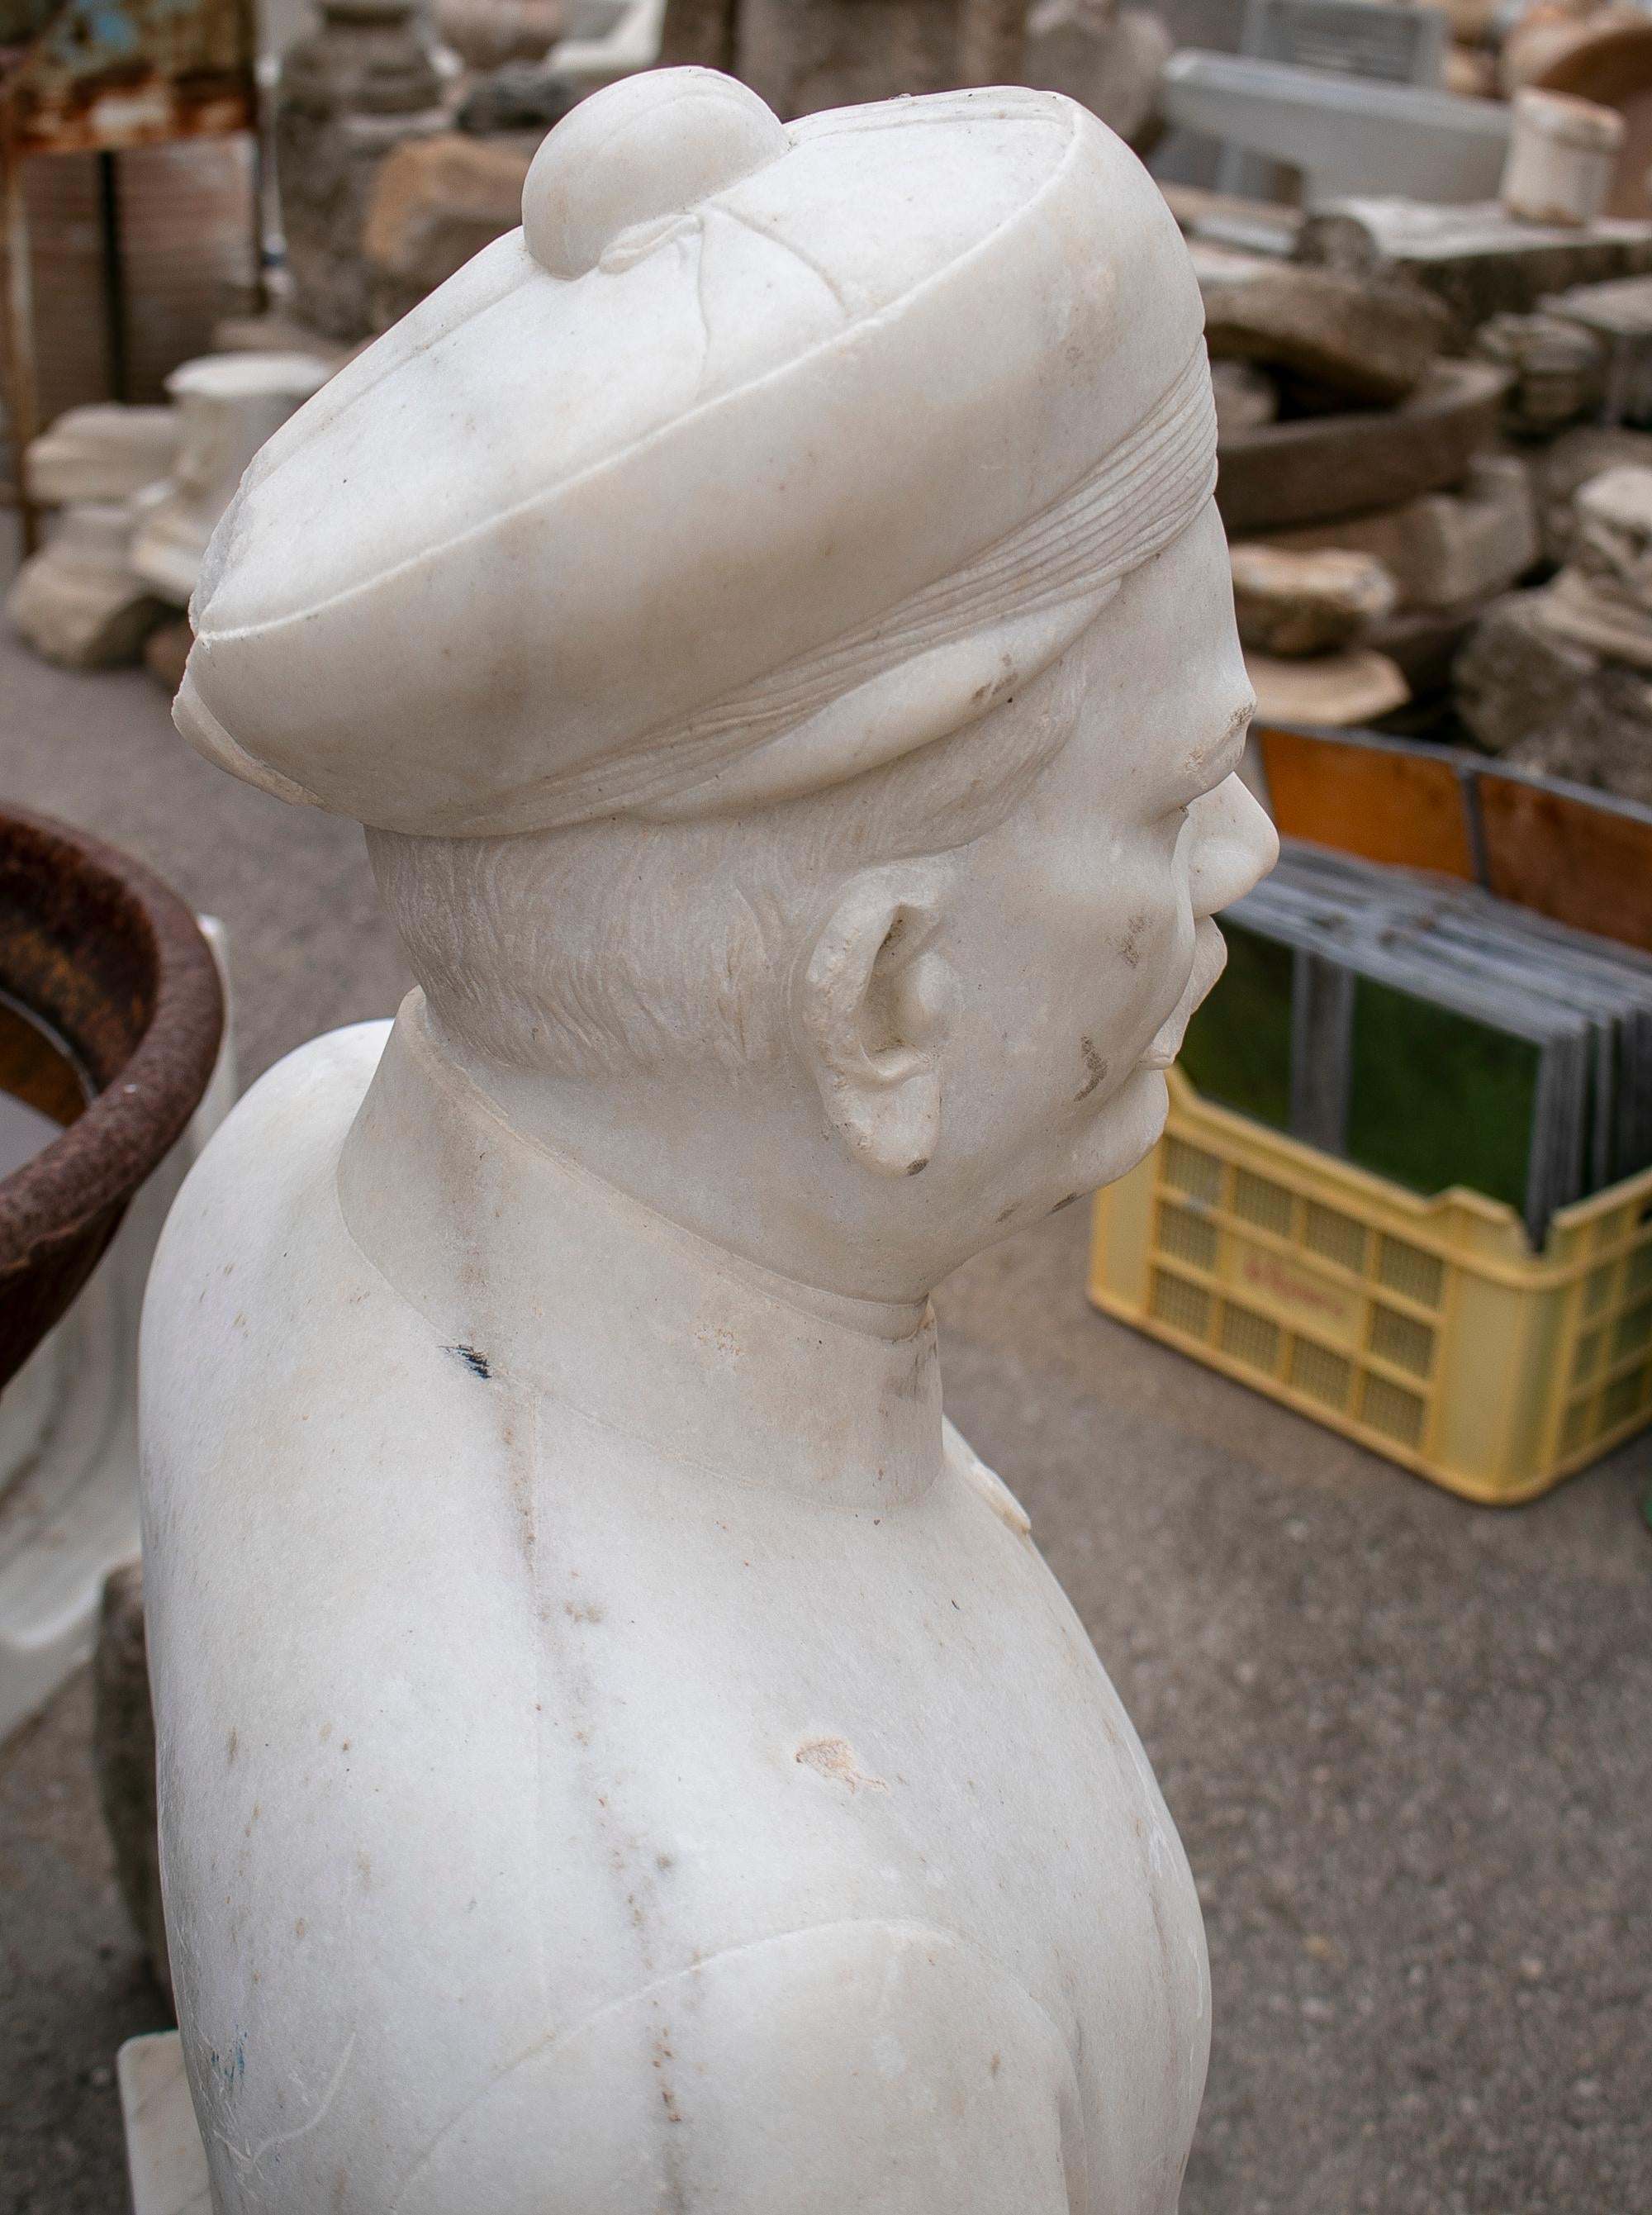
{"x": 1408, "y": 1743}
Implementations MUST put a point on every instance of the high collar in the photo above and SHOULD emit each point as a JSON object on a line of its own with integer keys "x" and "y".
{"x": 533, "y": 1271}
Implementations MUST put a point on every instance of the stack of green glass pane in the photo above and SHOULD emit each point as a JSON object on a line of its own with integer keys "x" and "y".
{"x": 1422, "y": 1029}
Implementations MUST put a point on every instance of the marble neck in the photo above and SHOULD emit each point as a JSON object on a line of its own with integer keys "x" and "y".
{"x": 536, "y": 1274}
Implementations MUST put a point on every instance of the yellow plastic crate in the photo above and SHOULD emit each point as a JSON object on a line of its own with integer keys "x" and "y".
{"x": 1425, "y": 1329}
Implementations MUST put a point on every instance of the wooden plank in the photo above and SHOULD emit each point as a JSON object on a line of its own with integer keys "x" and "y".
{"x": 1385, "y": 803}
{"x": 1584, "y": 860}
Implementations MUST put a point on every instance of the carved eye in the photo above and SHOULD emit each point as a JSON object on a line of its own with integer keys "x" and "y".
{"x": 635, "y": 156}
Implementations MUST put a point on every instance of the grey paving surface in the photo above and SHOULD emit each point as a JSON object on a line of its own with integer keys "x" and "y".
{"x": 1409, "y": 1744}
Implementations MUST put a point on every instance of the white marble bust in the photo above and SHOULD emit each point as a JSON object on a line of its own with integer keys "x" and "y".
{"x": 619, "y": 1753}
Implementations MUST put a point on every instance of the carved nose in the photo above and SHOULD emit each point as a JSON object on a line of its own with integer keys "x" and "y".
{"x": 1235, "y": 845}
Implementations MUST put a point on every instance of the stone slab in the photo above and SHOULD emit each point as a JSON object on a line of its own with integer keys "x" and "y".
{"x": 1346, "y": 134}
{"x": 1613, "y": 553}
{"x": 165, "y": 2158}
{"x": 103, "y": 452}
{"x": 1445, "y": 549}
{"x": 1544, "y": 701}
{"x": 1319, "y": 467}
{"x": 1300, "y": 603}
{"x": 1478, "y": 260}
{"x": 1335, "y": 690}
{"x": 1372, "y": 341}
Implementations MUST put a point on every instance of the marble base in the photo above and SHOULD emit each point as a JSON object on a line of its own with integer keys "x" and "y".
{"x": 165, "y": 2158}
{"x": 228, "y": 405}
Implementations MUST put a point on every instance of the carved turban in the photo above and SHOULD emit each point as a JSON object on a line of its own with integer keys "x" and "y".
{"x": 759, "y": 456}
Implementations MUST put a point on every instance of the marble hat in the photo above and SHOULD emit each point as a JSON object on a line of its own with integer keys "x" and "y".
{"x": 761, "y": 454}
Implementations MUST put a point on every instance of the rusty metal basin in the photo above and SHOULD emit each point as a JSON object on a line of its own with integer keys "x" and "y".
{"x": 108, "y": 957}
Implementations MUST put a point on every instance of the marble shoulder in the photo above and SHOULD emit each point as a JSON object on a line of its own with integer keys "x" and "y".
{"x": 266, "y": 1169}
{"x": 847, "y": 2065}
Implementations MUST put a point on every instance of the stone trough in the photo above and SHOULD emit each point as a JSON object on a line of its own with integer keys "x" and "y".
{"x": 1317, "y": 468}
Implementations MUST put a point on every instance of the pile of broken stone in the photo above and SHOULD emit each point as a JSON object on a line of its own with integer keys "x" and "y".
{"x": 1437, "y": 491}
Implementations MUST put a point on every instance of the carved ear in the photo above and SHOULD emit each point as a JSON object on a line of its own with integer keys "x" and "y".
{"x": 873, "y": 1004}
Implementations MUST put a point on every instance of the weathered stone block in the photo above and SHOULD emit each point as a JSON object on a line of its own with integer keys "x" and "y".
{"x": 1618, "y": 318}
{"x": 1570, "y": 461}
{"x": 1478, "y": 260}
{"x": 1335, "y": 690}
{"x": 435, "y": 202}
{"x": 1373, "y": 342}
{"x": 1445, "y": 549}
{"x": 1544, "y": 701}
{"x": 103, "y": 452}
{"x": 1603, "y": 599}
{"x": 77, "y": 602}
{"x": 1556, "y": 370}
{"x": 1296, "y": 605}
